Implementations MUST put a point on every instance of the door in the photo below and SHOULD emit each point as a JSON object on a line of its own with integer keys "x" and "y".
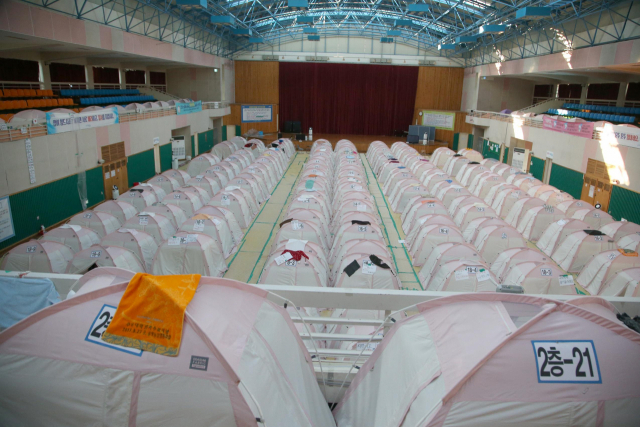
{"x": 115, "y": 173}
{"x": 603, "y": 195}
{"x": 589, "y": 189}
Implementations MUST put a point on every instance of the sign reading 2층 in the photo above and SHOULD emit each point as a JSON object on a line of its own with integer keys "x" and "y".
{"x": 100, "y": 324}
{"x": 567, "y": 361}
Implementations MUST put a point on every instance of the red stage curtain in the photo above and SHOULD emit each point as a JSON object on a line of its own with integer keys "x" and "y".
{"x": 347, "y": 98}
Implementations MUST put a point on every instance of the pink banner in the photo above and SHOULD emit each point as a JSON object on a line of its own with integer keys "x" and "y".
{"x": 583, "y": 129}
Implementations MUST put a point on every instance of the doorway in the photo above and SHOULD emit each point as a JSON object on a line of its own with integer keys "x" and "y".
{"x": 114, "y": 169}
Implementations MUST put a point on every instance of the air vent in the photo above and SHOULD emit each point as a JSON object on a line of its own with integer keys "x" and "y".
{"x": 386, "y": 39}
{"x": 380, "y": 60}
{"x": 269, "y": 57}
{"x": 426, "y": 62}
{"x": 313, "y": 38}
{"x": 317, "y": 58}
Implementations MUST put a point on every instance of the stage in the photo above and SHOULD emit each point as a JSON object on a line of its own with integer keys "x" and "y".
{"x": 360, "y": 141}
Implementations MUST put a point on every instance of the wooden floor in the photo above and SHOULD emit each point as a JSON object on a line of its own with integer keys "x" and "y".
{"x": 360, "y": 141}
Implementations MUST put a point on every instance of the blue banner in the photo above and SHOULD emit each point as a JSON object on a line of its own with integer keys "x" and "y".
{"x": 188, "y": 107}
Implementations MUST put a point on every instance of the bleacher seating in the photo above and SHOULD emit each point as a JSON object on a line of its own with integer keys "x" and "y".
{"x": 594, "y": 116}
{"x": 116, "y": 100}
{"x": 25, "y": 93}
{"x": 35, "y": 103}
{"x": 603, "y": 108}
{"x": 98, "y": 92}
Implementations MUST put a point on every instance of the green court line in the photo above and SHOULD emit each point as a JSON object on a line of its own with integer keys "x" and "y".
{"x": 285, "y": 204}
{"x": 392, "y": 220}
{"x": 254, "y": 220}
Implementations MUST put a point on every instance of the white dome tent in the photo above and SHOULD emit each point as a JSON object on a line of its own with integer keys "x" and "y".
{"x": 74, "y": 236}
{"x": 157, "y": 225}
{"x": 42, "y": 256}
{"x": 558, "y": 231}
{"x": 186, "y": 253}
{"x": 619, "y": 229}
{"x": 493, "y": 373}
{"x": 174, "y": 213}
{"x": 142, "y": 244}
{"x": 622, "y": 283}
{"x": 601, "y": 267}
{"x": 166, "y": 182}
{"x": 257, "y": 370}
{"x": 462, "y": 276}
{"x": 104, "y": 256}
{"x": 216, "y": 228}
{"x": 102, "y": 223}
{"x": 139, "y": 198}
{"x": 577, "y": 248}
{"x": 189, "y": 202}
{"x": 511, "y": 257}
{"x": 540, "y": 278}
{"x": 180, "y": 176}
{"x": 120, "y": 209}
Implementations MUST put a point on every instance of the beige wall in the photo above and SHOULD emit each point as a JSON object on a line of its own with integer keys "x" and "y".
{"x": 199, "y": 84}
{"x": 504, "y": 93}
{"x": 61, "y": 155}
{"x": 571, "y": 151}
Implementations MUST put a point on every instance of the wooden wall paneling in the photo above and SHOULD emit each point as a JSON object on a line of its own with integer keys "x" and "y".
{"x": 257, "y": 82}
{"x": 235, "y": 118}
{"x": 439, "y": 88}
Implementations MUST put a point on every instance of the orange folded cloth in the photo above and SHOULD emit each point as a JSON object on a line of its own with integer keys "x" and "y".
{"x": 150, "y": 315}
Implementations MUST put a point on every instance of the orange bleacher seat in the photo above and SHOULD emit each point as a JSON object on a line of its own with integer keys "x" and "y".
{"x": 9, "y": 93}
{"x": 20, "y": 92}
{"x": 4, "y": 105}
{"x": 39, "y": 92}
{"x": 30, "y": 92}
{"x": 22, "y": 104}
{"x": 31, "y": 103}
{"x": 1, "y": 92}
{"x": 49, "y": 92}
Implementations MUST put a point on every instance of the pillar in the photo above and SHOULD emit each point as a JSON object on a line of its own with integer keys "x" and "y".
{"x": 46, "y": 75}
{"x": 123, "y": 83}
{"x": 90, "y": 82}
{"x": 147, "y": 78}
{"x": 622, "y": 94}
{"x": 583, "y": 94}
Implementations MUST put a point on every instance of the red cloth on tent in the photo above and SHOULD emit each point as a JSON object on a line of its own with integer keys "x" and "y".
{"x": 295, "y": 255}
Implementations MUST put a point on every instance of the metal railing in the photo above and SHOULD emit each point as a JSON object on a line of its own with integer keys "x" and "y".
{"x": 535, "y": 122}
{"x": 68, "y": 85}
{"x": 17, "y": 131}
{"x": 106, "y": 86}
{"x": 20, "y": 85}
{"x": 340, "y": 365}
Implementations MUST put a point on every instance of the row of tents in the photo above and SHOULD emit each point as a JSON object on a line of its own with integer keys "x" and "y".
{"x": 482, "y": 214}
{"x": 177, "y": 222}
{"x": 331, "y": 235}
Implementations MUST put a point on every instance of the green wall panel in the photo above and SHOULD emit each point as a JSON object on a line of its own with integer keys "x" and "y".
{"x": 625, "y": 204}
{"x": 193, "y": 146}
{"x": 205, "y": 141}
{"x": 505, "y": 159}
{"x": 537, "y": 167}
{"x": 490, "y": 150}
{"x": 165, "y": 157}
{"x": 470, "y": 142}
{"x": 51, "y": 203}
{"x": 141, "y": 167}
{"x": 456, "y": 139}
{"x": 95, "y": 186}
{"x": 567, "y": 180}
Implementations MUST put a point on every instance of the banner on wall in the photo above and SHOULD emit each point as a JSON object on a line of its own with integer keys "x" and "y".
{"x": 621, "y": 135}
{"x": 188, "y": 107}
{"x": 6, "y": 221}
{"x": 257, "y": 113}
{"x": 583, "y": 129}
{"x": 68, "y": 122}
{"x": 438, "y": 119}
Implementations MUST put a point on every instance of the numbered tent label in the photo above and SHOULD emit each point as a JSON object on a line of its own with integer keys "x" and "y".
{"x": 100, "y": 324}
{"x": 567, "y": 362}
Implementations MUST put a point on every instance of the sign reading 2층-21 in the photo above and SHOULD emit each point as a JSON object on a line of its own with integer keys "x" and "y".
{"x": 567, "y": 361}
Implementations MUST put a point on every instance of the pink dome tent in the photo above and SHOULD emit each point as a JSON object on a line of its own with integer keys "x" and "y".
{"x": 601, "y": 267}
{"x": 536, "y": 220}
{"x": 364, "y": 271}
{"x": 495, "y": 239}
{"x": 577, "y": 248}
{"x": 594, "y": 217}
{"x": 429, "y": 237}
{"x": 40, "y": 256}
{"x": 215, "y": 227}
{"x": 556, "y": 232}
{"x": 120, "y": 209}
{"x": 623, "y": 283}
{"x": 157, "y": 225}
{"x": 139, "y": 198}
{"x": 185, "y": 253}
{"x": 174, "y": 213}
{"x": 104, "y": 256}
{"x": 308, "y": 268}
{"x": 421, "y": 207}
{"x": 102, "y": 223}
{"x": 142, "y": 244}
{"x": 485, "y": 366}
{"x": 181, "y": 176}
{"x": 511, "y": 257}
{"x": 187, "y": 201}
{"x": 75, "y": 237}
{"x": 263, "y": 373}
{"x": 540, "y": 278}
{"x": 166, "y": 182}
{"x": 199, "y": 164}
{"x": 618, "y": 229}
{"x": 235, "y": 202}
{"x": 443, "y": 253}
{"x": 462, "y": 276}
